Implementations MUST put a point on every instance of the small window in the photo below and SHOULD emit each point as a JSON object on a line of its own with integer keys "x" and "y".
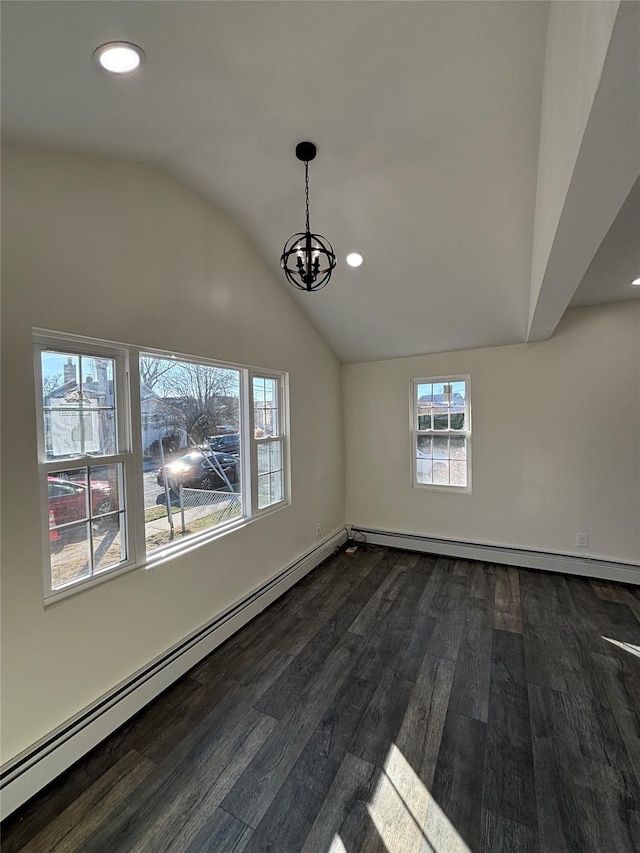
{"x": 269, "y": 436}
{"x": 441, "y": 432}
{"x": 83, "y": 463}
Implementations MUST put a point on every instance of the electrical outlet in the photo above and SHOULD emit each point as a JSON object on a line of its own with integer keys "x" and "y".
{"x": 582, "y": 540}
{"x": 318, "y": 530}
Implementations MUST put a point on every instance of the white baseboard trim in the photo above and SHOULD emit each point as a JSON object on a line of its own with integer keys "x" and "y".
{"x": 568, "y": 564}
{"x": 29, "y": 772}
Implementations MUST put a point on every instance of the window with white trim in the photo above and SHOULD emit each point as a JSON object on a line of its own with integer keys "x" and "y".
{"x": 85, "y": 461}
{"x": 268, "y": 439}
{"x": 144, "y": 453}
{"x": 441, "y": 432}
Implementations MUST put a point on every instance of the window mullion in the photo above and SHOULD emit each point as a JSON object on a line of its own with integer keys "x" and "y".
{"x": 132, "y": 435}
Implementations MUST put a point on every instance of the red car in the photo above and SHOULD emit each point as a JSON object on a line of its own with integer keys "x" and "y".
{"x": 68, "y": 500}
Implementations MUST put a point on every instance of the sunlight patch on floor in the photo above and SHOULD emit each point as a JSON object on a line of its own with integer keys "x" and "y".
{"x": 337, "y": 846}
{"x": 405, "y": 814}
{"x": 628, "y": 647}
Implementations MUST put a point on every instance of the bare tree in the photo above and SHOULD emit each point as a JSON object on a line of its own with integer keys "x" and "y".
{"x": 50, "y": 383}
{"x": 152, "y": 369}
{"x": 197, "y": 398}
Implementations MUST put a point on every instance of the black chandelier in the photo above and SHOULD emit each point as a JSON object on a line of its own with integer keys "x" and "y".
{"x": 307, "y": 259}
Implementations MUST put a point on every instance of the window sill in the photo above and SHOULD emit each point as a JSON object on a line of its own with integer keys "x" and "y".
{"x": 163, "y": 555}
{"x": 458, "y": 490}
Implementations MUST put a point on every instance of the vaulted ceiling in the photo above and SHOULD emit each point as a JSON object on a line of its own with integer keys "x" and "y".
{"x": 430, "y": 123}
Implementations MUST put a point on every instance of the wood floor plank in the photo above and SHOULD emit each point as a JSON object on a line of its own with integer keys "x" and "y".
{"x": 180, "y": 807}
{"x": 398, "y": 809}
{"x": 80, "y": 819}
{"x": 582, "y": 805}
{"x": 285, "y": 689}
{"x": 508, "y": 697}
{"x": 222, "y": 832}
{"x": 458, "y": 782}
{"x": 501, "y": 835}
{"x": 285, "y": 829}
{"x": 254, "y": 792}
{"x": 420, "y": 733}
{"x": 620, "y": 678}
{"x": 483, "y": 580}
{"x": 343, "y": 811}
{"x": 441, "y": 570}
{"x": 607, "y": 591}
{"x": 386, "y": 711}
{"x": 587, "y": 732}
{"x": 507, "y": 609}
{"x": 508, "y": 775}
{"x": 447, "y": 635}
{"x": 381, "y": 602}
{"x": 173, "y": 770}
{"x": 628, "y": 721}
{"x": 470, "y": 690}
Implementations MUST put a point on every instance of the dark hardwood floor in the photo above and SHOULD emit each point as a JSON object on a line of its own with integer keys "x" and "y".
{"x": 390, "y": 703}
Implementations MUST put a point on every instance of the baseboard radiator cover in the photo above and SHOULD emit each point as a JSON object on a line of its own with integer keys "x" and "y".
{"x": 29, "y": 772}
{"x": 570, "y": 564}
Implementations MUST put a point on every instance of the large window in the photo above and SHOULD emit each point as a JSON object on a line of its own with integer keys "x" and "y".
{"x": 191, "y": 444}
{"x": 441, "y": 432}
{"x": 141, "y": 452}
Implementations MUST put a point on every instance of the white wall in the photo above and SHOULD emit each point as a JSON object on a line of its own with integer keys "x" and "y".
{"x": 556, "y": 429}
{"x": 118, "y": 251}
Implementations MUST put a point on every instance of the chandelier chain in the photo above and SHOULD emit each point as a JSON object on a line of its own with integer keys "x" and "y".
{"x": 306, "y": 190}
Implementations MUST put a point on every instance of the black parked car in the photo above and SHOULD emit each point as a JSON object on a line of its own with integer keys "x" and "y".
{"x": 229, "y": 443}
{"x": 201, "y": 469}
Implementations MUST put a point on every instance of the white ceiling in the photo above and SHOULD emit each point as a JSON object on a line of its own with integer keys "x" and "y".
{"x": 617, "y": 261}
{"x": 426, "y": 116}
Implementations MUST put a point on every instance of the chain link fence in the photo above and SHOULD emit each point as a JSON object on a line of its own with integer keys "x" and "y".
{"x": 202, "y": 508}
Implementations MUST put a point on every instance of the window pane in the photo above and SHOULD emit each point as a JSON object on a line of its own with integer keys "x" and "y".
{"x": 441, "y": 421}
{"x": 108, "y": 542}
{"x": 190, "y": 421}
{"x": 424, "y": 445}
{"x": 424, "y": 405}
{"x": 105, "y": 488}
{"x": 275, "y": 455}
{"x": 458, "y": 448}
{"x": 68, "y": 497}
{"x": 263, "y": 459}
{"x": 424, "y": 392}
{"x": 276, "y": 487}
{"x": 265, "y": 407}
{"x": 270, "y": 475}
{"x": 458, "y": 473}
{"x": 264, "y": 490}
{"x": 70, "y": 554}
{"x": 78, "y": 397}
{"x": 457, "y": 419}
{"x": 441, "y": 447}
{"x": 441, "y": 473}
{"x": 423, "y": 470}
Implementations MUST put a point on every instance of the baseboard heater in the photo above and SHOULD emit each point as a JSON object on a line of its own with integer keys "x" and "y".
{"x": 570, "y": 564}
{"x": 29, "y": 772}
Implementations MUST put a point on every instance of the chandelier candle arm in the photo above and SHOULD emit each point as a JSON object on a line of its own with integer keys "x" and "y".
{"x": 307, "y": 259}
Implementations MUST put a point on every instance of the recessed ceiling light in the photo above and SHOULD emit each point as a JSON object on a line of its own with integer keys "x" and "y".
{"x": 355, "y": 259}
{"x": 636, "y": 281}
{"x": 119, "y": 57}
